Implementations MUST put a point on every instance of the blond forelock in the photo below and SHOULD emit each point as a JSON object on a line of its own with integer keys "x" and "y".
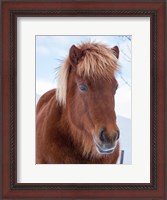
{"x": 98, "y": 61}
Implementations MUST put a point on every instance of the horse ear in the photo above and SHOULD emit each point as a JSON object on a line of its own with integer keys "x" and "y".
{"x": 75, "y": 55}
{"x": 116, "y": 51}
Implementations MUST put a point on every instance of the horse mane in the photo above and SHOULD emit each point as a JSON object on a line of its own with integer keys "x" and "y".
{"x": 98, "y": 61}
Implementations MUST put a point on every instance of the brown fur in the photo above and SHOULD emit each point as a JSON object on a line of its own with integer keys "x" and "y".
{"x": 68, "y": 122}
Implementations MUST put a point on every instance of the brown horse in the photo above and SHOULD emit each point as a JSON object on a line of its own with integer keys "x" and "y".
{"x": 77, "y": 123}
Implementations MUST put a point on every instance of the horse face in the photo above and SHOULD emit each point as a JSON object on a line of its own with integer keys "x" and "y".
{"x": 91, "y": 106}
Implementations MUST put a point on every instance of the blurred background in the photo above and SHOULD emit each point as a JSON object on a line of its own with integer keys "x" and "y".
{"x": 50, "y": 54}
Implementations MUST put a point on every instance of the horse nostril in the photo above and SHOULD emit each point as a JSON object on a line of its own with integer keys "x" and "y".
{"x": 106, "y": 138}
{"x": 103, "y": 136}
{"x": 118, "y": 134}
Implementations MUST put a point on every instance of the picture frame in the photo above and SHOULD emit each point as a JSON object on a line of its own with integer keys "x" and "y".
{"x": 156, "y": 189}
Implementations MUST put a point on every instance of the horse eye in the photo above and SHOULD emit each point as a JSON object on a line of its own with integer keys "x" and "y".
{"x": 83, "y": 87}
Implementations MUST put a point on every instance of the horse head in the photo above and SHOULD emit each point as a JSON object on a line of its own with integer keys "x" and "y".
{"x": 89, "y": 90}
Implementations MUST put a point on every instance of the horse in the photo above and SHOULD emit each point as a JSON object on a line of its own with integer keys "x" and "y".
{"x": 76, "y": 123}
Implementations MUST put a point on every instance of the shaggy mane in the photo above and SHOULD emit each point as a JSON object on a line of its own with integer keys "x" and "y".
{"x": 98, "y": 61}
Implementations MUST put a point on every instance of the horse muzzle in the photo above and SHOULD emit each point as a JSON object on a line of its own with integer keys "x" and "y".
{"x": 106, "y": 144}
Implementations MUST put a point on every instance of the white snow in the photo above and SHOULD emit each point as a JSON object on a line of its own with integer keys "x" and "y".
{"x": 125, "y": 128}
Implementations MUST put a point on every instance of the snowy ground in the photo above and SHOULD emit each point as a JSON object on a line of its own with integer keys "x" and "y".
{"x": 124, "y": 125}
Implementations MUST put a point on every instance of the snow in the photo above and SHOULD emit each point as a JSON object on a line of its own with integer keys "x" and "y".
{"x": 124, "y": 125}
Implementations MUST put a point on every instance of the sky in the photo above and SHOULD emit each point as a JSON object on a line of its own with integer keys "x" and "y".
{"x": 52, "y": 50}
